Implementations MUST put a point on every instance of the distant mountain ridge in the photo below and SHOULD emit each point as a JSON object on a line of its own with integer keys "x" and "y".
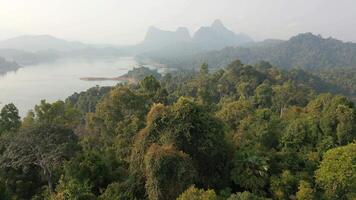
{"x": 305, "y": 50}
{"x": 33, "y": 49}
{"x": 156, "y": 38}
{"x": 216, "y": 36}
{"x": 34, "y": 43}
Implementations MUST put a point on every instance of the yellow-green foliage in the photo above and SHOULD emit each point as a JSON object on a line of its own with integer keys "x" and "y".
{"x": 168, "y": 171}
{"x": 198, "y": 194}
{"x": 337, "y": 172}
{"x": 305, "y": 192}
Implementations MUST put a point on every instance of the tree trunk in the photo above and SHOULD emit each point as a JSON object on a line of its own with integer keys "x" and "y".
{"x": 49, "y": 180}
{"x": 281, "y": 112}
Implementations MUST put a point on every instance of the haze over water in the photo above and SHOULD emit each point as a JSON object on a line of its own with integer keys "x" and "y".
{"x": 57, "y": 80}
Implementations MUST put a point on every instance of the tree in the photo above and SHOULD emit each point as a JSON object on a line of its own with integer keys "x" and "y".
{"x": 346, "y": 128}
{"x": 290, "y": 94}
{"x": 191, "y": 129}
{"x": 152, "y": 90}
{"x": 294, "y": 137}
{"x": 305, "y": 192}
{"x": 73, "y": 190}
{"x": 45, "y": 146}
{"x": 9, "y": 119}
{"x": 204, "y": 70}
{"x": 245, "y": 196}
{"x": 284, "y": 185}
{"x": 121, "y": 103}
{"x": 259, "y": 130}
{"x": 250, "y": 171}
{"x": 193, "y": 193}
{"x": 263, "y": 95}
{"x": 96, "y": 167}
{"x": 169, "y": 172}
{"x": 232, "y": 113}
{"x": 57, "y": 113}
{"x": 337, "y": 172}
{"x": 150, "y": 84}
{"x": 204, "y": 85}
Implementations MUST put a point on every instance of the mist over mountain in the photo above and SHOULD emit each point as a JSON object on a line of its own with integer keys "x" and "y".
{"x": 213, "y": 37}
{"x": 6, "y": 66}
{"x": 19, "y": 56}
{"x": 31, "y": 49}
{"x": 156, "y": 38}
{"x": 304, "y": 50}
{"x": 34, "y": 49}
{"x": 217, "y": 36}
{"x": 34, "y": 43}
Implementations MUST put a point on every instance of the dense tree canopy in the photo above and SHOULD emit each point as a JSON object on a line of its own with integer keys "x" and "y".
{"x": 243, "y": 132}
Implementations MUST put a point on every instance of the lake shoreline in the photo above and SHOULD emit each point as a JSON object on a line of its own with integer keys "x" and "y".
{"x": 57, "y": 80}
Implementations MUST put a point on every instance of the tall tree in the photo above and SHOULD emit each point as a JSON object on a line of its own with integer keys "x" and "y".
{"x": 9, "y": 118}
{"x": 337, "y": 173}
{"x": 44, "y": 146}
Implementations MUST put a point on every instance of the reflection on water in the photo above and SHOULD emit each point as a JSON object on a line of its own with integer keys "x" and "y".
{"x": 53, "y": 81}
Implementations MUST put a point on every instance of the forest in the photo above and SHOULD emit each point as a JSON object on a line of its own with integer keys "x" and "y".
{"x": 328, "y": 59}
{"x": 242, "y": 132}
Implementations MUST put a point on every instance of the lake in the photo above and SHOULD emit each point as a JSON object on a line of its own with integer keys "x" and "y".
{"x": 57, "y": 80}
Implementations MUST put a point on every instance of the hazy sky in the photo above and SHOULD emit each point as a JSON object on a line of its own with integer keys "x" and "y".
{"x": 125, "y": 21}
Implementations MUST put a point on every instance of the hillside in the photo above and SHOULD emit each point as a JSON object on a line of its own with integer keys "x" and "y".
{"x": 304, "y": 50}
{"x": 161, "y": 43}
{"x": 242, "y": 132}
{"x": 34, "y": 43}
{"x": 29, "y": 50}
{"x": 156, "y": 38}
{"x": 217, "y": 36}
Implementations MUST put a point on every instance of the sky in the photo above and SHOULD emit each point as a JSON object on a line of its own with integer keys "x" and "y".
{"x": 123, "y": 22}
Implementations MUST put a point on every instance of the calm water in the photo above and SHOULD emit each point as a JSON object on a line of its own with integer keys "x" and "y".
{"x": 53, "y": 81}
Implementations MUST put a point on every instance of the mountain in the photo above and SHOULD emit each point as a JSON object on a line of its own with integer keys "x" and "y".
{"x": 34, "y": 43}
{"x": 159, "y": 43}
{"x": 304, "y": 51}
{"x": 156, "y": 38}
{"x": 19, "y": 56}
{"x": 29, "y": 50}
{"x": 217, "y": 36}
{"x": 6, "y": 66}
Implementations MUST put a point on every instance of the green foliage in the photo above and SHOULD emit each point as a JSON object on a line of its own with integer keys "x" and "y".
{"x": 304, "y": 50}
{"x": 87, "y": 101}
{"x": 337, "y": 172}
{"x": 140, "y": 73}
{"x": 150, "y": 84}
{"x": 191, "y": 129}
{"x": 250, "y": 171}
{"x": 94, "y": 167}
{"x": 245, "y": 196}
{"x": 232, "y": 113}
{"x": 44, "y": 146}
{"x": 249, "y": 132}
{"x": 193, "y": 193}
{"x": 73, "y": 190}
{"x": 169, "y": 172}
{"x": 120, "y": 103}
{"x": 9, "y": 119}
{"x": 152, "y": 88}
{"x": 57, "y": 113}
{"x": 258, "y": 130}
{"x": 305, "y": 192}
{"x": 283, "y": 185}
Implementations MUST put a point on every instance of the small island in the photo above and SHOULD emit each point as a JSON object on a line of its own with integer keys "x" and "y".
{"x": 132, "y": 76}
